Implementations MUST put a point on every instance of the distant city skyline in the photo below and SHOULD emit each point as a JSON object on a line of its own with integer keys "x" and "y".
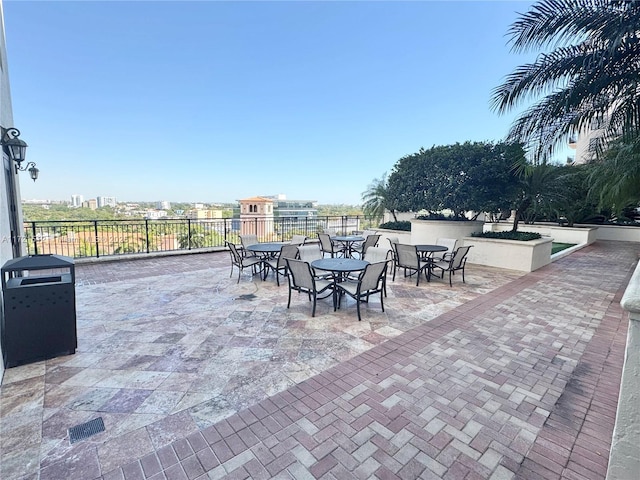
{"x": 214, "y": 101}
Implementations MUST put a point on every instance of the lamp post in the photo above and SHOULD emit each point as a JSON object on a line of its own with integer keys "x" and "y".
{"x": 16, "y": 150}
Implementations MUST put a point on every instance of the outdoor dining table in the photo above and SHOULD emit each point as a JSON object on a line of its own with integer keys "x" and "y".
{"x": 427, "y": 251}
{"x": 339, "y": 268}
{"x": 266, "y": 249}
{"x": 347, "y": 241}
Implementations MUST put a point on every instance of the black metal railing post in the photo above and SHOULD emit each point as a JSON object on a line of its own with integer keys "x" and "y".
{"x": 146, "y": 232}
{"x": 35, "y": 238}
{"x": 189, "y": 233}
{"x": 97, "y": 239}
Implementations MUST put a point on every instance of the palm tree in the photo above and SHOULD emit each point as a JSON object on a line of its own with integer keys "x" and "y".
{"x": 590, "y": 73}
{"x": 614, "y": 179}
{"x": 377, "y": 199}
{"x": 539, "y": 188}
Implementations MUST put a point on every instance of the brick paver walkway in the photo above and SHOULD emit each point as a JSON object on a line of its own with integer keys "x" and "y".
{"x": 518, "y": 383}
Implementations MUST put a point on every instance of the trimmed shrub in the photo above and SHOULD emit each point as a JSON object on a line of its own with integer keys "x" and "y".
{"x": 440, "y": 216}
{"x": 521, "y": 236}
{"x": 403, "y": 225}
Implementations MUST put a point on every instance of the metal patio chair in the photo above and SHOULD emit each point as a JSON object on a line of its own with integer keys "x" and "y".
{"x": 279, "y": 264}
{"x": 241, "y": 262}
{"x": 327, "y": 245}
{"x": 369, "y": 282}
{"x": 301, "y": 279}
{"x": 457, "y": 262}
{"x": 409, "y": 259}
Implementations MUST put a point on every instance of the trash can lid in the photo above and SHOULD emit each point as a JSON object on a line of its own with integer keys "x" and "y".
{"x": 36, "y": 262}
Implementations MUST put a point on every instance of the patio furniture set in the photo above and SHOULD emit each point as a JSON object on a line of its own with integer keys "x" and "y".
{"x": 344, "y": 265}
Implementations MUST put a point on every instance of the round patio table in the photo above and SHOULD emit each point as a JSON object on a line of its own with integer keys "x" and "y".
{"x": 339, "y": 268}
{"x": 426, "y": 251}
{"x": 266, "y": 248}
{"x": 348, "y": 241}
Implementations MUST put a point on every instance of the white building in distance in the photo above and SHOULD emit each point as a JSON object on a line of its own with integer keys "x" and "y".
{"x": 77, "y": 200}
{"x": 106, "y": 202}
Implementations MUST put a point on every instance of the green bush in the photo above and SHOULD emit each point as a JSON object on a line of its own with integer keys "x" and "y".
{"x": 404, "y": 225}
{"x": 522, "y": 236}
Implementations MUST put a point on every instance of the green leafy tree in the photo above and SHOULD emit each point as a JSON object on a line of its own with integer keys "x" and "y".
{"x": 197, "y": 238}
{"x": 473, "y": 176}
{"x": 377, "y": 199}
{"x": 615, "y": 178}
{"x": 538, "y": 190}
{"x": 590, "y": 73}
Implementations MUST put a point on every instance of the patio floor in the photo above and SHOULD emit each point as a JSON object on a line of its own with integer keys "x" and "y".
{"x": 197, "y": 377}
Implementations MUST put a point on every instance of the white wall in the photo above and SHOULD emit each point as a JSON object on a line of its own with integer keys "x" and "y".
{"x": 6, "y": 120}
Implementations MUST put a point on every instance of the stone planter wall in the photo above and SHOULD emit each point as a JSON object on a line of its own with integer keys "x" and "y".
{"x": 575, "y": 235}
{"x": 404, "y": 237}
{"x": 511, "y": 254}
{"x": 619, "y": 233}
{"x": 624, "y": 461}
{"x": 428, "y": 231}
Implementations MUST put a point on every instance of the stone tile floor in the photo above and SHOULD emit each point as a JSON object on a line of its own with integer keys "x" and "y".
{"x": 195, "y": 376}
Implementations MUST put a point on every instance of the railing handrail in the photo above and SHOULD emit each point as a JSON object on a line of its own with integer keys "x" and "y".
{"x": 103, "y": 237}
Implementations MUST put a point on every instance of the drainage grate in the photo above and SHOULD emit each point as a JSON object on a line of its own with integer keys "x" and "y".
{"x": 86, "y": 430}
{"x": 246, "y": 296}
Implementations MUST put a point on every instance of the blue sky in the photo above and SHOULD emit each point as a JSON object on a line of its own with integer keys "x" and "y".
{"x": 217, "y": 101}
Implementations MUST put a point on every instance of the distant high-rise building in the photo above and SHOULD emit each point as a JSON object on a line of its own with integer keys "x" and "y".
{"x": 106, "y": 202}
{"x": 163, "y": 205}
{"x": 91, "y": 203}
{"x": 77, "y": 200}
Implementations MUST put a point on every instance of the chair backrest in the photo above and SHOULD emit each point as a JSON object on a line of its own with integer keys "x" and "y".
{"x": 371, "y": 277}
{"x": 366, "y": 233}
{"x": 459, "y": 256}
{"x": 247, "y": 240}
{"x": 309, "y": 253}
{"x": 393, "y": 241}
{"x": 370, "y": 241}
{"x": 298, "y": 239}
{"x": 287, "y": 251}
{"x": 326, "y": 244}
{"x": 300, "y": 274}
{"x": 407, "y": 255}
{"x": 235, "y": 255}
{"x": 450, "y": 243}
{"x": 377, "y": 254}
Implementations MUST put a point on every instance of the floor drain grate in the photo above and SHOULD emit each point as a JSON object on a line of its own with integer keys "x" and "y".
{"x": 86, "y": 430}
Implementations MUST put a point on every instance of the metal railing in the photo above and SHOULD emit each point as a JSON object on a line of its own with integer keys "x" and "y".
{"x": 98, "y": 238}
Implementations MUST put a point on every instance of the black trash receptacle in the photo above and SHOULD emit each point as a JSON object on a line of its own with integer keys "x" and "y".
{"x": 39, "y": 319}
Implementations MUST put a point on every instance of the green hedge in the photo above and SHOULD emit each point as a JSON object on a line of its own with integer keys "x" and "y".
{"x": 440, "y": 216}
{"x": 404, "y": 225}
{"x": 522, "y": 236}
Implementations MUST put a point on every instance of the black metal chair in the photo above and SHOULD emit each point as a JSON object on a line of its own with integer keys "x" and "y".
{"x": 302, "y": 280}
{"x": 327, "y": 245}
{"x": 246, "y": 240}
{"x": 279, "y": 264}
{"x": 369, "y": 282}
{"x": 457, "y": 262}
{"x": 380, "y": 254}
{"x": 450, "y": 243}
{"x": 242, "y": 262}
{"x": 370, "y": 241}
{"x": 409, "y": 259}
{"x": 392, "y": 243}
